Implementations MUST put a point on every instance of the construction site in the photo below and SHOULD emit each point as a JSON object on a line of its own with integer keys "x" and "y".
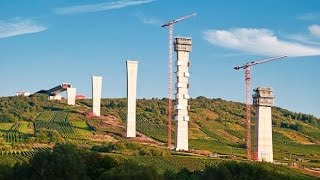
{"x": 179, "y": 131}
{"x": 263, "y": 99}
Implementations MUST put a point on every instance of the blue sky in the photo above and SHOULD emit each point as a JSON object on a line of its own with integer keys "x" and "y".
{"x": 45, "y": 43}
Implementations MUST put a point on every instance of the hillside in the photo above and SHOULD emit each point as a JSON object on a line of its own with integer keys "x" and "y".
{"x": 29, "y": 124}
{"x": 218, "y": 126}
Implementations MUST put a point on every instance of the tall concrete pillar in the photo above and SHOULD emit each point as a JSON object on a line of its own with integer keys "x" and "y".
{"x": 263, "y": 100}
{"x": 183, "y": 47}
{"x": 96, "y": 94}
{"x": 71, "y": 96}
{"x": 132, "y": 71}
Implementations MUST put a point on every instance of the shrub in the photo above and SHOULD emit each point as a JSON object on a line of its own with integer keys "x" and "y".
{"x": 46, "y": 135}
{"x": 7, "y": 117}
{"x": 144, "y": 152}
{"x": 130, "y": 170}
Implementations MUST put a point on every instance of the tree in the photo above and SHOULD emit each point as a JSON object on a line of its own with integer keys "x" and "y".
{"x": 42, "y": 136}
{"x": 98, "y": 164}
{"x": 47, "y": 135}
{"x": 130, "y": 170}
{"x": 6, "y": 172}
{"x": 7, "y": 117}
{"x": 64, "y": 162}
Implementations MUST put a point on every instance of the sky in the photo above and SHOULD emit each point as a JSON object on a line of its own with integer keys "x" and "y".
{"x": 44, "y": 43}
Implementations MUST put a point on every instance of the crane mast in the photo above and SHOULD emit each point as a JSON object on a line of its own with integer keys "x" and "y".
{"x": 247, "y": 68}
{"x": 170, "y": 26}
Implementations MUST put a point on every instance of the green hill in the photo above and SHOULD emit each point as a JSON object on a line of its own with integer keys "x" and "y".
{"x": 216, "y": 129}
{"x": 218, "y": 126}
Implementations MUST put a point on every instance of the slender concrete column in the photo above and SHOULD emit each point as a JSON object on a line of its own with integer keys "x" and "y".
{"x": 132, "y": 71}
{"x": 263, "y": 100}
{"x": 183, "y": 47}
{"x": 71, "y": 96}
{"x": 96, "y": 94}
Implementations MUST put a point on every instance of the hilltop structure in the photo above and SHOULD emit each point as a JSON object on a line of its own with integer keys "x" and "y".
{"x": 132, "y": 68}
{"x": 23, "y": 93}
{"x": 182, "y": 46}
{"x": 263, "y": 100}
{"x": 54, "y": 93}
{"x": 96, "y": 94}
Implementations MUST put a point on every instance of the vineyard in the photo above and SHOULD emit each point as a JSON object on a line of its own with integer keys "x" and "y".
{"x": 72, "y": 133}
{"x": 19, "y": 151}
{"x": 154, "y": 130}
{"x": 216, "y": 130}
{"x": 56, "y": 121}
{"x": 12, "y": 157}
{"x": 149, "y": 127}
{"x": 13, "y": 134}
{"x": 172, "y": 162}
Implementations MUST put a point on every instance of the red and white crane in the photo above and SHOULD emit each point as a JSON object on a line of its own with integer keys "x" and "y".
{"x": 246, "y": 67}
{"x": 170, "y": 26}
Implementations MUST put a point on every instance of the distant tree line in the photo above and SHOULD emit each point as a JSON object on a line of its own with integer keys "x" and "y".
{"x": 307, "y": 118}
{"x": 20, "y": 108}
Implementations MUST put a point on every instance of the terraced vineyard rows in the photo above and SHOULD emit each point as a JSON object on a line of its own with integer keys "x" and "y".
{"x": 10, "y": 160}
{"x": 56, "y": 121}
{"x": 12, "y": 157}
{"x": 154, "y": 130}
{"x": 173, "y": 162}
{"x": 191, "y": 163}
{"x": 158, "y": 162}
{"x": 81, "y": 142}
{"x": 13, "y": 134}
{"x": 44, "y": 120}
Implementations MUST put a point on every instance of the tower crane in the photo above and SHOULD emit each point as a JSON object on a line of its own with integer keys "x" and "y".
{"x": 246, "y": 67}
{"x": 170, "y": 26}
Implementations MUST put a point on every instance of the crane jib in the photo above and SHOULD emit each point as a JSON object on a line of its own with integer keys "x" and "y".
{"x": 252, "y": 63}
{"x": 177, "y": 20}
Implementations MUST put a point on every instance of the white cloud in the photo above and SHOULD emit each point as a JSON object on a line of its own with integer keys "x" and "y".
{"x": 258, "y": 41}
{"x": 19, "y": 26}
{"x": 315, "y": 30}
{"x": 99, "y": 6}
{"x": 148, "y": 20}
{"x": 309, "y": 16}
{"x": 303, "y": 38}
